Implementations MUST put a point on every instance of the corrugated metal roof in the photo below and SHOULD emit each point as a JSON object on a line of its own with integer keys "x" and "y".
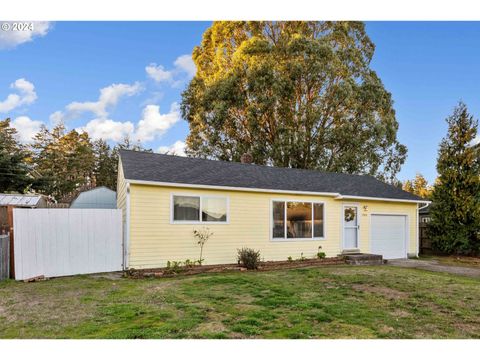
{"x": 19, "y": 200}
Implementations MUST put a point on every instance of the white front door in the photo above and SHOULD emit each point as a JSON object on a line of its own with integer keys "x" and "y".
{"x": 350, "y": 227}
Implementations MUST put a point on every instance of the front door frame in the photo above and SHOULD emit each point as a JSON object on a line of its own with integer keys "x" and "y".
{"x": 355, "y": 205}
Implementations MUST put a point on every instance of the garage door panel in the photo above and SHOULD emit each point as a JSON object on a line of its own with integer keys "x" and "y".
{"x": 388, "y": 236}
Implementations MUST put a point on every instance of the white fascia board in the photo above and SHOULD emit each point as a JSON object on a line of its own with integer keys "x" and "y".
{"x": 229, "y": 188}
{"x": 337, "y": 196}
{"x": 348, "y": 197}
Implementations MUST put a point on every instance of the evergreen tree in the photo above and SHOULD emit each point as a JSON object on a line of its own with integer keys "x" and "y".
{"x": 64, "y": 159}
{"x": 105, "y": 165}
{"x": 455, "y": 213}
{"x": 13, "y": 168}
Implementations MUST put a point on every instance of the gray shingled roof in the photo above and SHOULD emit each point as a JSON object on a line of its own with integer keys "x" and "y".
{"x": 146, "y": 166}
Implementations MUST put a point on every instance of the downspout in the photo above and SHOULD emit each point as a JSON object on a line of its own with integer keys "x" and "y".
{"x": 127, "y": 230}
{"x": 417, "y": 229}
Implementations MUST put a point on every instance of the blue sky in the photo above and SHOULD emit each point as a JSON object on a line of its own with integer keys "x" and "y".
{"x": 143, "y": 67}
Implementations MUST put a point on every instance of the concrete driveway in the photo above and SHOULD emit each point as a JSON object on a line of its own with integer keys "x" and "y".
{"x": 433, "y": 265}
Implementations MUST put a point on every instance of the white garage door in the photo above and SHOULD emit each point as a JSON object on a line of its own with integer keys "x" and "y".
{"x": 389, "y": 236}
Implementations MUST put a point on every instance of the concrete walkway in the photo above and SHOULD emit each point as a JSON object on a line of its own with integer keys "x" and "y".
{"x": 434, "y": 265}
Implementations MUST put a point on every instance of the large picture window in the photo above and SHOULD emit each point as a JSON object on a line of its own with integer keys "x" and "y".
{"x": 188, "y": 208}
{"x": 297, "y": 220}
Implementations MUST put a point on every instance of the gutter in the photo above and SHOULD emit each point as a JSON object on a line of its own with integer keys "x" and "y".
{"x": 335, "y": 195}
{"x": 426, "y": 202}
{"x": 347, "y": 197}
{"x": 229, "y": 188}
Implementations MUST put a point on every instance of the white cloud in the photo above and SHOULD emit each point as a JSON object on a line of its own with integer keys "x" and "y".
{"x": 154, "y": 124}
{"x": 158, "y": 73}
{"x": 25, "y": 95}
{"x": 56, "y": 117}
{"x": 12, "y": 38}
{"x": 26, "y": 128}
{"x": 108, "y": 98}
{"x": 184, "y": 68}
{"x": 108, "y": 129}
{"x": 178, "y": 148}
{"x": 186, "y": 64}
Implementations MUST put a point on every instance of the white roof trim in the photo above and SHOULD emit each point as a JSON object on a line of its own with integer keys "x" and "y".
{"x": 348, "y": 197}
{"x": 337, "y": 196}
{"x": 230, "y": 188}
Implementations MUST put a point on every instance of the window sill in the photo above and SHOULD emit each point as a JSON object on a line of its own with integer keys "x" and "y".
{"x": 297, "y": 239}
{"x": 199, "y": 222}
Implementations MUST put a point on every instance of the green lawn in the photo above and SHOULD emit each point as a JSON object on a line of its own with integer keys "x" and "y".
{"x": 329, "y": 302}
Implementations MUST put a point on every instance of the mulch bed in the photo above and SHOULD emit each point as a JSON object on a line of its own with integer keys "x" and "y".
{"x": 200, "y": 269}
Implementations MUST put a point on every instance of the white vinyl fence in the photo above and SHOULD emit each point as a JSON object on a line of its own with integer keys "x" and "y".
{"x": 59, "y": 242}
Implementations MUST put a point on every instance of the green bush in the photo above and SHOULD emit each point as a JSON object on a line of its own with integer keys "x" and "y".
{"x": 321, "y": 254}
{"x": 248, "y": 258}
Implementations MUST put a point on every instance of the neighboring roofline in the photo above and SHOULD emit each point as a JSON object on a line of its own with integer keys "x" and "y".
{"x": 337, "y": 196}
{"x": 82, "y": 192}
{"x": 95, "y": 188}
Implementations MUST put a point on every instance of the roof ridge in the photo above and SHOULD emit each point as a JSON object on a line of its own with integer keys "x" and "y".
{"x": 243, "y": 164}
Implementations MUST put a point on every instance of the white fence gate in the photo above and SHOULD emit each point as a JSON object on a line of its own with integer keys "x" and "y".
{"x": 59, "y": 242}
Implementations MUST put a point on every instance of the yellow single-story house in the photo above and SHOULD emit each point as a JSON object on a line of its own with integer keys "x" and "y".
{"x": 281, "y": 212}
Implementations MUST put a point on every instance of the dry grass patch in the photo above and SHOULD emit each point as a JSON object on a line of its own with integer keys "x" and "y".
{"x": 389, "y": 293}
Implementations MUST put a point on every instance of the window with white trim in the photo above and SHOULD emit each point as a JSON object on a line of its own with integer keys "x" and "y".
{"x": 298, "y": 220}
{"x": 188, "y": 208}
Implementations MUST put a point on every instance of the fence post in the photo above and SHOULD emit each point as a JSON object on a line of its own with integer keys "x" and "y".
{"x": 10, "y": 229}
{"x": 4, "y": 257}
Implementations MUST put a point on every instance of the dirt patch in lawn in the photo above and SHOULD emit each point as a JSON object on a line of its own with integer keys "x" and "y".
{"x": 34, "y": 303}
{"x": 387, "y": 292}
{"x": 466, "y": 328}
{"x": 212, "y": 325}
{"x": 358, "y": 271}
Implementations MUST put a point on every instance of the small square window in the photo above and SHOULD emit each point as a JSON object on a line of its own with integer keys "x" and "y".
{"x": 186, "y": 208}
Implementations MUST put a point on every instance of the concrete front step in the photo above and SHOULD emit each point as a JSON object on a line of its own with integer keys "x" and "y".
{"x": 363, "y": 259}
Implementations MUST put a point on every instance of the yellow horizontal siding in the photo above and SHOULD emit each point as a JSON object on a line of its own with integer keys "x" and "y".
{"x": 154, "y": 240}
{"x": 121, "y": 192}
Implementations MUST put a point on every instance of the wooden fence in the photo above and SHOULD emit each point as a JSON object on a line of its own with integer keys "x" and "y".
{"x": 4, "y": 257}
{"x": 59, "y": 242}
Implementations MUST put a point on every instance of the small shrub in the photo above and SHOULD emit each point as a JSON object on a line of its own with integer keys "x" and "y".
{"x": 289, "y": 259}
{"x": 302, "y": 258}
{"x": 189, "y": 263}
{"x": 174, "y": 267}
{"x": 321, "y": 254}
{"x": 249, "y": 258}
